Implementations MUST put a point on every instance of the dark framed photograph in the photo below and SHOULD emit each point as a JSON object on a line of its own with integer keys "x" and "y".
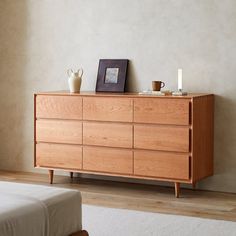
{"x": 112, "y": 75}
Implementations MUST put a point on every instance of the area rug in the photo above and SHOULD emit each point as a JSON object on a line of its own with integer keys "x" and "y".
{"x": 101, "y": 221}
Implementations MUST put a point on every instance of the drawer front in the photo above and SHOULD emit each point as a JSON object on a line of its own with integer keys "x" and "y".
{"x": 108, "y": 109}
{"x": 107, "y": 134}
{"x": 59, "y": 107}
{"x": 59, "y": 131}
{"x": 161, "y": 165}
{"x": 59, "y": 156}
{"x": 109, "y": 160}
{"x": 156, "y": 137}
{"x": 161, "y": 111}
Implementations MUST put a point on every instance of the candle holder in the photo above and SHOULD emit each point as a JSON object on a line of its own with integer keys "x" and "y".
{"x": 180, "y": 84}
{"x": 179, "y": 93}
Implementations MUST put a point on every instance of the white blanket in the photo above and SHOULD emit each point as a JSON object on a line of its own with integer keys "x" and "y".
{"x": 35, "y": 210}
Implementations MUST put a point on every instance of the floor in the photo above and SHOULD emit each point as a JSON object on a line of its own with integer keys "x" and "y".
{"x": 150, "y": 198}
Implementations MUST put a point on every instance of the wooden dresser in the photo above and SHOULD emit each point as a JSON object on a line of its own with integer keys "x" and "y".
{"x": 165, "y": 138}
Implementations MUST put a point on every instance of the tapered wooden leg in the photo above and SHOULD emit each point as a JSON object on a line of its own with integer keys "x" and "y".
{"x": 177, "y": 188}
{"x": 71, "y": 174}
{"x": 51, "y": 172}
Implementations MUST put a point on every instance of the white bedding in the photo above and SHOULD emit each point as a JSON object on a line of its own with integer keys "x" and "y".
{"x": 35, "y": 210}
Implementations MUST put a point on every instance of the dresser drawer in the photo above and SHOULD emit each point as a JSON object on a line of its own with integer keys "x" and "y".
{"x": 59, "y": 156}
{"x": 161, "y": 165}
{"x": 161, "y": 111}
{"x": 110, "y": 160}
{"x": 59, "y": 107}
{"x": 107, "y": 134}
{"x": 167, "y": 138}
{"x": 107, "y": 109}
{"x": 59, "y": 131}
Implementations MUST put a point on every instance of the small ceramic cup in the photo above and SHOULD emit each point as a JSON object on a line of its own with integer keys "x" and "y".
{"x": 157, "y": 85}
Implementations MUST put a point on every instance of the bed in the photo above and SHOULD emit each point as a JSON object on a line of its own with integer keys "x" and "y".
{"x": 35, "y": 210}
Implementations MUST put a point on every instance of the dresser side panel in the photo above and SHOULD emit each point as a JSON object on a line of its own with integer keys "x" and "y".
{"x": 202, "y": 137}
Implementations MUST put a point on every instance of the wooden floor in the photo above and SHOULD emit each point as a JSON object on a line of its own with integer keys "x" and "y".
{"x": 206, "y": 204}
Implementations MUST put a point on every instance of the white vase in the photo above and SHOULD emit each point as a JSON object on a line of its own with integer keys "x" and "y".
{"x": 74, "y": 80}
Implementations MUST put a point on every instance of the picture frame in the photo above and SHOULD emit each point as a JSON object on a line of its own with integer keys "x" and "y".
{"x": 112, "y": 75}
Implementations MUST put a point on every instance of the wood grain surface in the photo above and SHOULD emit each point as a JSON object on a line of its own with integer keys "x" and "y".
{"x": 108, "y": 160}
{"x": 59, "y": 131}
{"x": 167, "y": 138}
{"x": 59, "y": 107}
{"x": 112, "y": 109}
{"x": 161, "y": 111}
{"x": 59, "y": 156}
{"x": 107, "y": 134}
{"x": 161, "y": 164}
{"x": 203, "y": 137}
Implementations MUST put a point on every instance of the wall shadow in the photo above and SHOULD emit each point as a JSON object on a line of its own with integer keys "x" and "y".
{"x": 224, "y": 146}
{"x": 131, "y": 84}
{"x": 13, "y": 32}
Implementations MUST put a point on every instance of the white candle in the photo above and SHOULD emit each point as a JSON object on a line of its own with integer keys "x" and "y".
{"x": 180, "y": 79}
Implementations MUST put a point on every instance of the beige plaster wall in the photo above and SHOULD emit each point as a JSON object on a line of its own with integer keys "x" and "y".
{"x": 39, "y": 40}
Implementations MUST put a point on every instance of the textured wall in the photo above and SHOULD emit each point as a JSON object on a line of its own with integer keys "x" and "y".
{"x": 39, "y": 40}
